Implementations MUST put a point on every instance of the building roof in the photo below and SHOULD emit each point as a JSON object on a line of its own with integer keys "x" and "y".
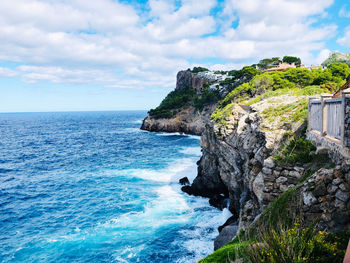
{"x": 338, "y": 93}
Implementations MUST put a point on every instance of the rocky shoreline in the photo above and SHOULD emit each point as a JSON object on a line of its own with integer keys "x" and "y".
{"x": 237, "y": 167}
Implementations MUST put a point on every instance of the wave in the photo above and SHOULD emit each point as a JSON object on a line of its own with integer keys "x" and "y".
{"x": 137, "y": 121}
{"x": 178, "y": 134}
{"x": 196, "y": 151}
{"x": 185, "y": 167}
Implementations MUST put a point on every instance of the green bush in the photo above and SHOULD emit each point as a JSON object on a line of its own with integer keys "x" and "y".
{"x": 208, "y": 97}
{"x": 287, "y": 113}
{"x": 297, "y": 244}
{"x": 298, "y": 150}
{"x": 174, "y": 100}
{"x": 291, "y": 60}
{"x": 199, "y": 69}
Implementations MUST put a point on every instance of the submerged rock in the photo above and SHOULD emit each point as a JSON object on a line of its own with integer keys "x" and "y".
{"x": 184, "y": 181}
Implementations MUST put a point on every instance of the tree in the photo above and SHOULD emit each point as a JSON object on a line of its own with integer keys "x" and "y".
{"x": 302, "y": 77}
{"x": 291, "y": 60}
{"x": 249, "y": 72}
{"x": 269, "y": 63}
{"x": 322, "y": 76}
{"x": 199, "y": 69}
{"x": 340, "y": 70}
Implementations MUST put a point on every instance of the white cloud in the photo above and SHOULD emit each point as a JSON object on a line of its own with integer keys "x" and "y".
{"x": 113, "y": 44}
{"x": 345, "y": 40}
{"x": 344, "y": 12}
{"x": 6, "y": 72}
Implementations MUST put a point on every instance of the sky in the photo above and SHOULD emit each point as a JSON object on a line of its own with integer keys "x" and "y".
{"x": 77, "y": 55}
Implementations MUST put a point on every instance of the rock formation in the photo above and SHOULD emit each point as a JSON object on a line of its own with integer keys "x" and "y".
{"x": 187, "y": 119}
{"x": 237, "y": 158}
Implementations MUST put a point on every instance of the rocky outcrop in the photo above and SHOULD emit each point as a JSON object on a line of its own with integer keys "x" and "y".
{"x": 188, "y": 120}
{"x": 237, "y": 158}
{"x": 186, "y": 78}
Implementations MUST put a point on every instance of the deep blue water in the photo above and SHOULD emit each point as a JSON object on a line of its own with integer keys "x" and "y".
{"x": 92, "y": 187}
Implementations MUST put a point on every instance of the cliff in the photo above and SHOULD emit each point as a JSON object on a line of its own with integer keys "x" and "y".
{"x": 187, "y": 120}
{"x": 238, "y": 159}
{"x": 256, "y": 158}
{"x": 188, "y": 108}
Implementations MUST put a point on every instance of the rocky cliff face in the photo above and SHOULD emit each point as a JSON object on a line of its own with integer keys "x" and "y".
{"x": 237, "y": 159}
{"x": 188, "y": 119}
{"x": 185, "y": 78}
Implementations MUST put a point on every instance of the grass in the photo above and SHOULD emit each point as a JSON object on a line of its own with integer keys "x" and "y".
{"x": 279, "y": 244}
{"x": 228, "y": 253}
{"x": 298, "y": 244}
{"x": 287, "y": 113}
{"x": 279, "y": 211}
{"x": 221, "y": 116}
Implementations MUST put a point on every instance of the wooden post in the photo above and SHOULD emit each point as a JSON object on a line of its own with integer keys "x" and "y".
{"x": 324, "y": 96}
{"x": 344, "y": 94}
{"x": 309, "y": 117}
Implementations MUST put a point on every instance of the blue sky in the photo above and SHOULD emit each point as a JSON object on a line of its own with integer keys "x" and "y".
{"x": 121, "y": 55}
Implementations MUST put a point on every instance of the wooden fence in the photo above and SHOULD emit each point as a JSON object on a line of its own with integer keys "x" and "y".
{"x": 326, "y": 116}
{"x": 334, "y": 117}
{"x": 315, "y": 112}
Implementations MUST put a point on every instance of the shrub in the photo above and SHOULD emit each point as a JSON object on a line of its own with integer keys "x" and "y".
{"x": 298, "y": 150}
{"x": 199, "y": 69}
{"x": 291, "y": 60}
{"x": 174, "y": 100}
{"x": 207, "y": 97}
{"x": 296, "y": 244}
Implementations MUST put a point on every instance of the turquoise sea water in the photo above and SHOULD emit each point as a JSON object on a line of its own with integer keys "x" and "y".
{"x": 93, "y": 187}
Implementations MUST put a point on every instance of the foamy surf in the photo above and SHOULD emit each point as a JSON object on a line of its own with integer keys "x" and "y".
{"x": 185, "y": 167}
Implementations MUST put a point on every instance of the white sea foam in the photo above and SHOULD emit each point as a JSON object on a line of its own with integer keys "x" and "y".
{"x": 178, "y": 169}
{"x": 137, "y": 121}
{"x": 199, "y": 240}
{"x": 170, "y": 207}
{"x": 191, "y": 151}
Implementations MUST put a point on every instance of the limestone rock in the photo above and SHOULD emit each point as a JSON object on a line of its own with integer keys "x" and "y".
{"x": 309, "y": 199}
{"x": 342, "y": 196}
{"x": 225, "y": 236}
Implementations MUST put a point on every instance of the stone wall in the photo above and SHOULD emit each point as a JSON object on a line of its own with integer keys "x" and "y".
{"x": 326, "y": 197}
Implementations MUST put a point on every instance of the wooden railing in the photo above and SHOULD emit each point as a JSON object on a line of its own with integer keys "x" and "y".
{"x": 315, "y": 115}
{"x": 334, "y": 117}
{"x": 326, "y": 116}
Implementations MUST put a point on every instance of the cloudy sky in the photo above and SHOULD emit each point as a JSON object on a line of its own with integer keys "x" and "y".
{"x": 59, "y": 55}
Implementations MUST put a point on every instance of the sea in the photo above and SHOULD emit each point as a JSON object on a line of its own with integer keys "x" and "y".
{"x": 93, "y": 187}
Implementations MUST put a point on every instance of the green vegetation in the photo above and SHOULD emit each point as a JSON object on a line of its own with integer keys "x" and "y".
{"x": 297, "y": 244}
{"x": 199, "y": 69}
{"x": 280, "y": 237}
{"x": 207, "y": 97}
{"x": 221, "y": 116}
{"x": 298, "y": 150}
{"x": 337, "y": 57}
{"x": 284, "y": 244}
{"x": 291, "y": 60}
{"x": 269, "y": 63}
{"x": 287, "y": 113}
{"x": 275, "y": 61}
{"x": 184, "y": 97}
{"x": 339, "y": 70}
{"x": 174, "y": 100}
{"x": 228, "y": 253}
{"x": 294, "y": 81}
